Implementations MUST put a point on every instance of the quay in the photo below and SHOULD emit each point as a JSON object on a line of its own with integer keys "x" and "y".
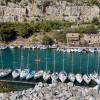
{"x": 20, "y": 82}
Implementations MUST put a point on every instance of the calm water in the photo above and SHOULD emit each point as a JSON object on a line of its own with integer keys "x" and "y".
{"x": 12, "y": 59}
{"x": 18, "y": 58}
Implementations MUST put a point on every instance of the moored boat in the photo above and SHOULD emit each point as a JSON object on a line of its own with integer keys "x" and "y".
{"x": 24, "y": 73}
{"x": 54, "y": 76}
{"x": 38, "y": 74}
{"x": 87, "y": 78}
{"x": 63, "y": 76}
{"x": 71, "y": 77}
{"x": 30, "y": 75}
{"x": 46, "y": 75}
{"x": 5, "y": 72}
{"x": 11, "y": 46}
{"x": 79, "y": 78}
{"x": 16, "y": 73}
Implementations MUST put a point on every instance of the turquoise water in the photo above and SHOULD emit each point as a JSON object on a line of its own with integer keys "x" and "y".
{"x": 11, "y": 58}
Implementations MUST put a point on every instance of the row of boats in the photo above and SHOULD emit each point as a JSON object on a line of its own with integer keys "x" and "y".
{"x": 47, "y": 75}
{"x": 65, "y": 49}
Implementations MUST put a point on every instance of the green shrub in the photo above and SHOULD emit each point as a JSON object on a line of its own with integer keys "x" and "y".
{"x": 47, "y": 40}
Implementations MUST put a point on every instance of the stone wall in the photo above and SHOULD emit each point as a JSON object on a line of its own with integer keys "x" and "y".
{"x": 52, "y": 11}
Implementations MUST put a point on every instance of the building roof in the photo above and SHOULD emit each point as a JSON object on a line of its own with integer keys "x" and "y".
{"x": 72, "y": 35}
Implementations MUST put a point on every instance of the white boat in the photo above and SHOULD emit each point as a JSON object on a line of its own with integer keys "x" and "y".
{"x": 68, "y": 50}
{"x": 11, "y": 46}
{"x": 54, "y": 46}
{"x": 95, "y": 77}
{"x": 80, "y": 50}
{"x": 79, "y": 78}
{"x": 5, "y": 72}
{"x": 54, "y": 76}
{"x": 33, "y": 47}
{"x": 97, "y": 80}
{"x": 3, "y": 47}
{"x": 24, "y": 73}
{"x": 91, "y": 50}
{"x": 30, "y": 75}
{"x": 43, "y": 47}
{"x": 38, "y": 74}
{"x": 46, "y": 75}
{"x": 71, "y": 77}
{"x": 63, "y": 76}
{"x": 16, "y": 73}
{"x": 87, "y": 78}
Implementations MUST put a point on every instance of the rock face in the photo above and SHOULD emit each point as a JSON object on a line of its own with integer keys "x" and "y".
{"x": 47, "y": 10}
{"x": 60, "y": 91}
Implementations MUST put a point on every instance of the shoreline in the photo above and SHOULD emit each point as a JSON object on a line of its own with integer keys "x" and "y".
{"x": 59, "y": 91}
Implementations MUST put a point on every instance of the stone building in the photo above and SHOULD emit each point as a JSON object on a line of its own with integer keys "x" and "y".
{"x": 73, "y": 39}
{"x": 92, "y": 39}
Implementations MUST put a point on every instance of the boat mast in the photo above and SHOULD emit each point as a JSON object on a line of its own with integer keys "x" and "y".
{"x": 63, "y": 61}
{"x": 21, "y": 58}
{"x": 46, "y": 60}
{"x": 1, "y": 59}
{"x": 98, "y": 64}
{"x": 54, "y": 62}
{"x": 72, "y": 63}
{"x": 28, "y": 59}
{"x": 80, "y": 64}
{"x": 13, "y": 58}
{"x": 87, "y": 63}
{"x": 37, "y": 60}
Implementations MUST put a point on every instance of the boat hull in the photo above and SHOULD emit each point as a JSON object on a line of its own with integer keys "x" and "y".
{"x": 79, "y": 78}
{"x": 46, "y": 76}
{"x": 71, "y": 77}
{"x": 62, "y": 76}
{"x": 38, "y": 74}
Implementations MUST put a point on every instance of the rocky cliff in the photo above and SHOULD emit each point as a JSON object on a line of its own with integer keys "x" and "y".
{"x": 25, "y": 10}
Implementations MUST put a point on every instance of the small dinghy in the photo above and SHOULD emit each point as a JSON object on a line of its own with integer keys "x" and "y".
{"x": 63, "y": 76}
{"x": 71, "y": 77}
{"x": 38, "y": 74}
{"x": 87, "y": 78}
{"x": 30, "y": 75}
{"x": 46, "y": 75}
{"x": 24, "y": 73}
{"x": 16, "y": 73}
{"x": 79, "y": 78}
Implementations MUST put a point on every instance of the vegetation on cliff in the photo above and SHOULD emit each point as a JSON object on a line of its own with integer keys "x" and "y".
{"x": 47, "y": 40}
{"x": 9, "y": 31}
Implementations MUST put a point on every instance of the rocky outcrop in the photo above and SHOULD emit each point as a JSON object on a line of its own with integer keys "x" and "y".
{"x": 60, "y": 91}
{"x": 47, "y": 10}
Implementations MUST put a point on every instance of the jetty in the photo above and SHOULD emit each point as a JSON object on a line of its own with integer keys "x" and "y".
{"x": 19, "y": 82}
